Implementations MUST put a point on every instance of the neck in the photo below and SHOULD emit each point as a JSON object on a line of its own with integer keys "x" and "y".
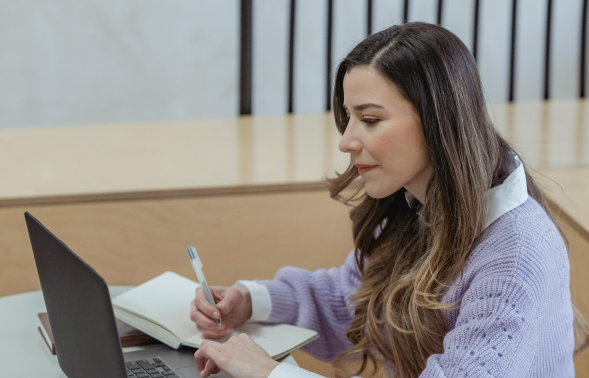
{"x": 418, "y": 185}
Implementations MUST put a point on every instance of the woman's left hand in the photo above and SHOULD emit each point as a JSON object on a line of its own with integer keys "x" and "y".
{"x": 240, "y": 357}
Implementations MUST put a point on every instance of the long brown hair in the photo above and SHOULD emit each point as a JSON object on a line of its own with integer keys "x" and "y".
{"x": 408, "y": 267}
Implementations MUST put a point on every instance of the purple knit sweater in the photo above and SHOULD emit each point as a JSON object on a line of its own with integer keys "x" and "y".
{"x": 515, "y": 318}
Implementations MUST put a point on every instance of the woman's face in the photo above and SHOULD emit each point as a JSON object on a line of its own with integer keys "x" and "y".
{"x": 384, "y": 135}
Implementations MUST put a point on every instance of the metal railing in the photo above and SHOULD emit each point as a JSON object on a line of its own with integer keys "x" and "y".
{"x": 246, "y": 10}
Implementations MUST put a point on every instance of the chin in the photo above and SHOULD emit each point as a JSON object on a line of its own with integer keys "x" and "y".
{"x": 378, "y": 192}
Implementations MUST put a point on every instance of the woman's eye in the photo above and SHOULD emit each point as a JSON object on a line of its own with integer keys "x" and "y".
{"x": 370, "y": 121}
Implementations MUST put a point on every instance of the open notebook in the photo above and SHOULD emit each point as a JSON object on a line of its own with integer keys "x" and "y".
{"x": 161, "y": 308}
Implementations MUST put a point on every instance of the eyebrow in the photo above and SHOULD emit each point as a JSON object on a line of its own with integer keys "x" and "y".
{"x": 361, "y": 107}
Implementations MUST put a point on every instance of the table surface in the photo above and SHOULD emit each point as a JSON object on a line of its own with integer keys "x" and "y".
{"x": 200, "y": 154}
{"x": 553, "y": 138}
{"x": 238, "y": 154}
{"x": 23, "y": 351}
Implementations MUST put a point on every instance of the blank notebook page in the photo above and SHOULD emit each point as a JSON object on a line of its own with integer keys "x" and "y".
{"x": 165, "y": 300}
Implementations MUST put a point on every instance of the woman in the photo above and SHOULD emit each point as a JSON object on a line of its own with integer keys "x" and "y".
{"x": 458, "y": 269}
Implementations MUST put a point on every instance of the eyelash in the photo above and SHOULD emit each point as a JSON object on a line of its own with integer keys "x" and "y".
{"x": 369, "y": 121}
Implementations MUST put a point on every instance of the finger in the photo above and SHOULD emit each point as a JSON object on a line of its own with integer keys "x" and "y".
{"x": 206, "y": 308}
{"x": 214, "y": 334}
{"x": 205, "y": 346}
{"x": 209, "y": 350}
{"x": 200, "y": 361}
{"x": 205, "y": 322}
{"x": 234, "y": 342}
{"x": 201, "y": 302}
{"x": 218, "y": 292}
{"x": 232, "y": 297}
{"x": 209, "y": 369}
{"x": 193, "y": 311}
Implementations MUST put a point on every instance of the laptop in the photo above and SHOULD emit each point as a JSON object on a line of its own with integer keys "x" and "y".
{"x": 83, "y": 323}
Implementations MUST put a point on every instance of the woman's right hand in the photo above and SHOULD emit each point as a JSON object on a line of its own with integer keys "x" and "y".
{"x": 233, "y": 306}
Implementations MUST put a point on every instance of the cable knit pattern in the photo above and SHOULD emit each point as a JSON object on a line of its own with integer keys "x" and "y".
{"x": 514, "y": 319}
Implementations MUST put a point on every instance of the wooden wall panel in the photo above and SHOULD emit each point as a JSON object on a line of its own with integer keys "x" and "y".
{"x": 238, "y": 237}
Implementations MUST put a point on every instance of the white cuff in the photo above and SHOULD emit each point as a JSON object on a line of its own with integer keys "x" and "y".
{"x": 261, "y": 301}
{"x": 285, "y": 370}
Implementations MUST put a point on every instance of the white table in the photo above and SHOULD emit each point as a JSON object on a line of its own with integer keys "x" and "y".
{"x": 23, "y": 352}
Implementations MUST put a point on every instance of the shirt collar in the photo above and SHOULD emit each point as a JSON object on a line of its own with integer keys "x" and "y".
{"x": 507, "y": 196}
{"x": 502, "y": 198}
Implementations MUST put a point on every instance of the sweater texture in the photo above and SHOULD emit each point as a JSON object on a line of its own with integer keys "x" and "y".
{"x": 515, "y": 318}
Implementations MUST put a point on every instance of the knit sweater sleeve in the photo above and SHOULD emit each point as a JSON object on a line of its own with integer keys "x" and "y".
{"x": 318, "y": 300}
{"x": 495, "y": 333}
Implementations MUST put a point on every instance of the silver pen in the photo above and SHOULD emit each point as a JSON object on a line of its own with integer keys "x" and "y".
{"x": 197, "y": 265}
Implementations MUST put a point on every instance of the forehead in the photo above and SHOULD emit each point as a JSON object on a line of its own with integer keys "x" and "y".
{"x": 365, "y": 84}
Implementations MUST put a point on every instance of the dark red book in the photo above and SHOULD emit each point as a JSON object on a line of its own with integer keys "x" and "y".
{"x": 130, "y": 336}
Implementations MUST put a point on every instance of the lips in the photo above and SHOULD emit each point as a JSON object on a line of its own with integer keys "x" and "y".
{"x": 363, "y": 168}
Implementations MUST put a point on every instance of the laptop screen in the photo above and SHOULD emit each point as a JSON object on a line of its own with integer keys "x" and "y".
{"x": 79, "y": 307}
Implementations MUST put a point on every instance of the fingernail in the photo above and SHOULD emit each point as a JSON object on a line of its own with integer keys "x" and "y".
{"x": 229, "y": 330}
{"x": 222, "y": 306}
{"x": 216, "y": 315}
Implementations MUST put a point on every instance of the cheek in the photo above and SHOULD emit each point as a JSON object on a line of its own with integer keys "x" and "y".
{"x": 402, "y": 154}
{"x": 401, "y": 148}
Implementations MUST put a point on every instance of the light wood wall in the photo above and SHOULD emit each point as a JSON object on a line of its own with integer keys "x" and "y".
{"x": 238, "y": 237}
{"x": 248, "y": 236}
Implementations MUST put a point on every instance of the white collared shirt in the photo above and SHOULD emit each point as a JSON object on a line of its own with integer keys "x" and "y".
{"x": 501, "y": 199}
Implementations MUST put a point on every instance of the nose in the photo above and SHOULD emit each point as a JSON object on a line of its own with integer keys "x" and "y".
{"x": 350, "y": 143}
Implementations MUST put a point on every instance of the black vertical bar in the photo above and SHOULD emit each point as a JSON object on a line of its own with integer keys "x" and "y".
{"x": 582, "y": 83}
{"x": 547, "y": 56}
{"x": 512, "y": 52}
{"x": 328, "y": 60}
{"x": 291, "y": 45}
{"x": 368, "y": 17}
{"x": 405, "y": 11}
{"x": 475, "y": 37}
{"x": 245, "y": 73}
{"x": 440, "y": 9}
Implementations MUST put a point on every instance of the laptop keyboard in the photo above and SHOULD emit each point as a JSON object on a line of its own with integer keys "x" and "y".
{"x": 153, "y": 368}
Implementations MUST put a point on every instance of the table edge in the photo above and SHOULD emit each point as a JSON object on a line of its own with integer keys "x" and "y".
{"x": 163, "y": 194}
